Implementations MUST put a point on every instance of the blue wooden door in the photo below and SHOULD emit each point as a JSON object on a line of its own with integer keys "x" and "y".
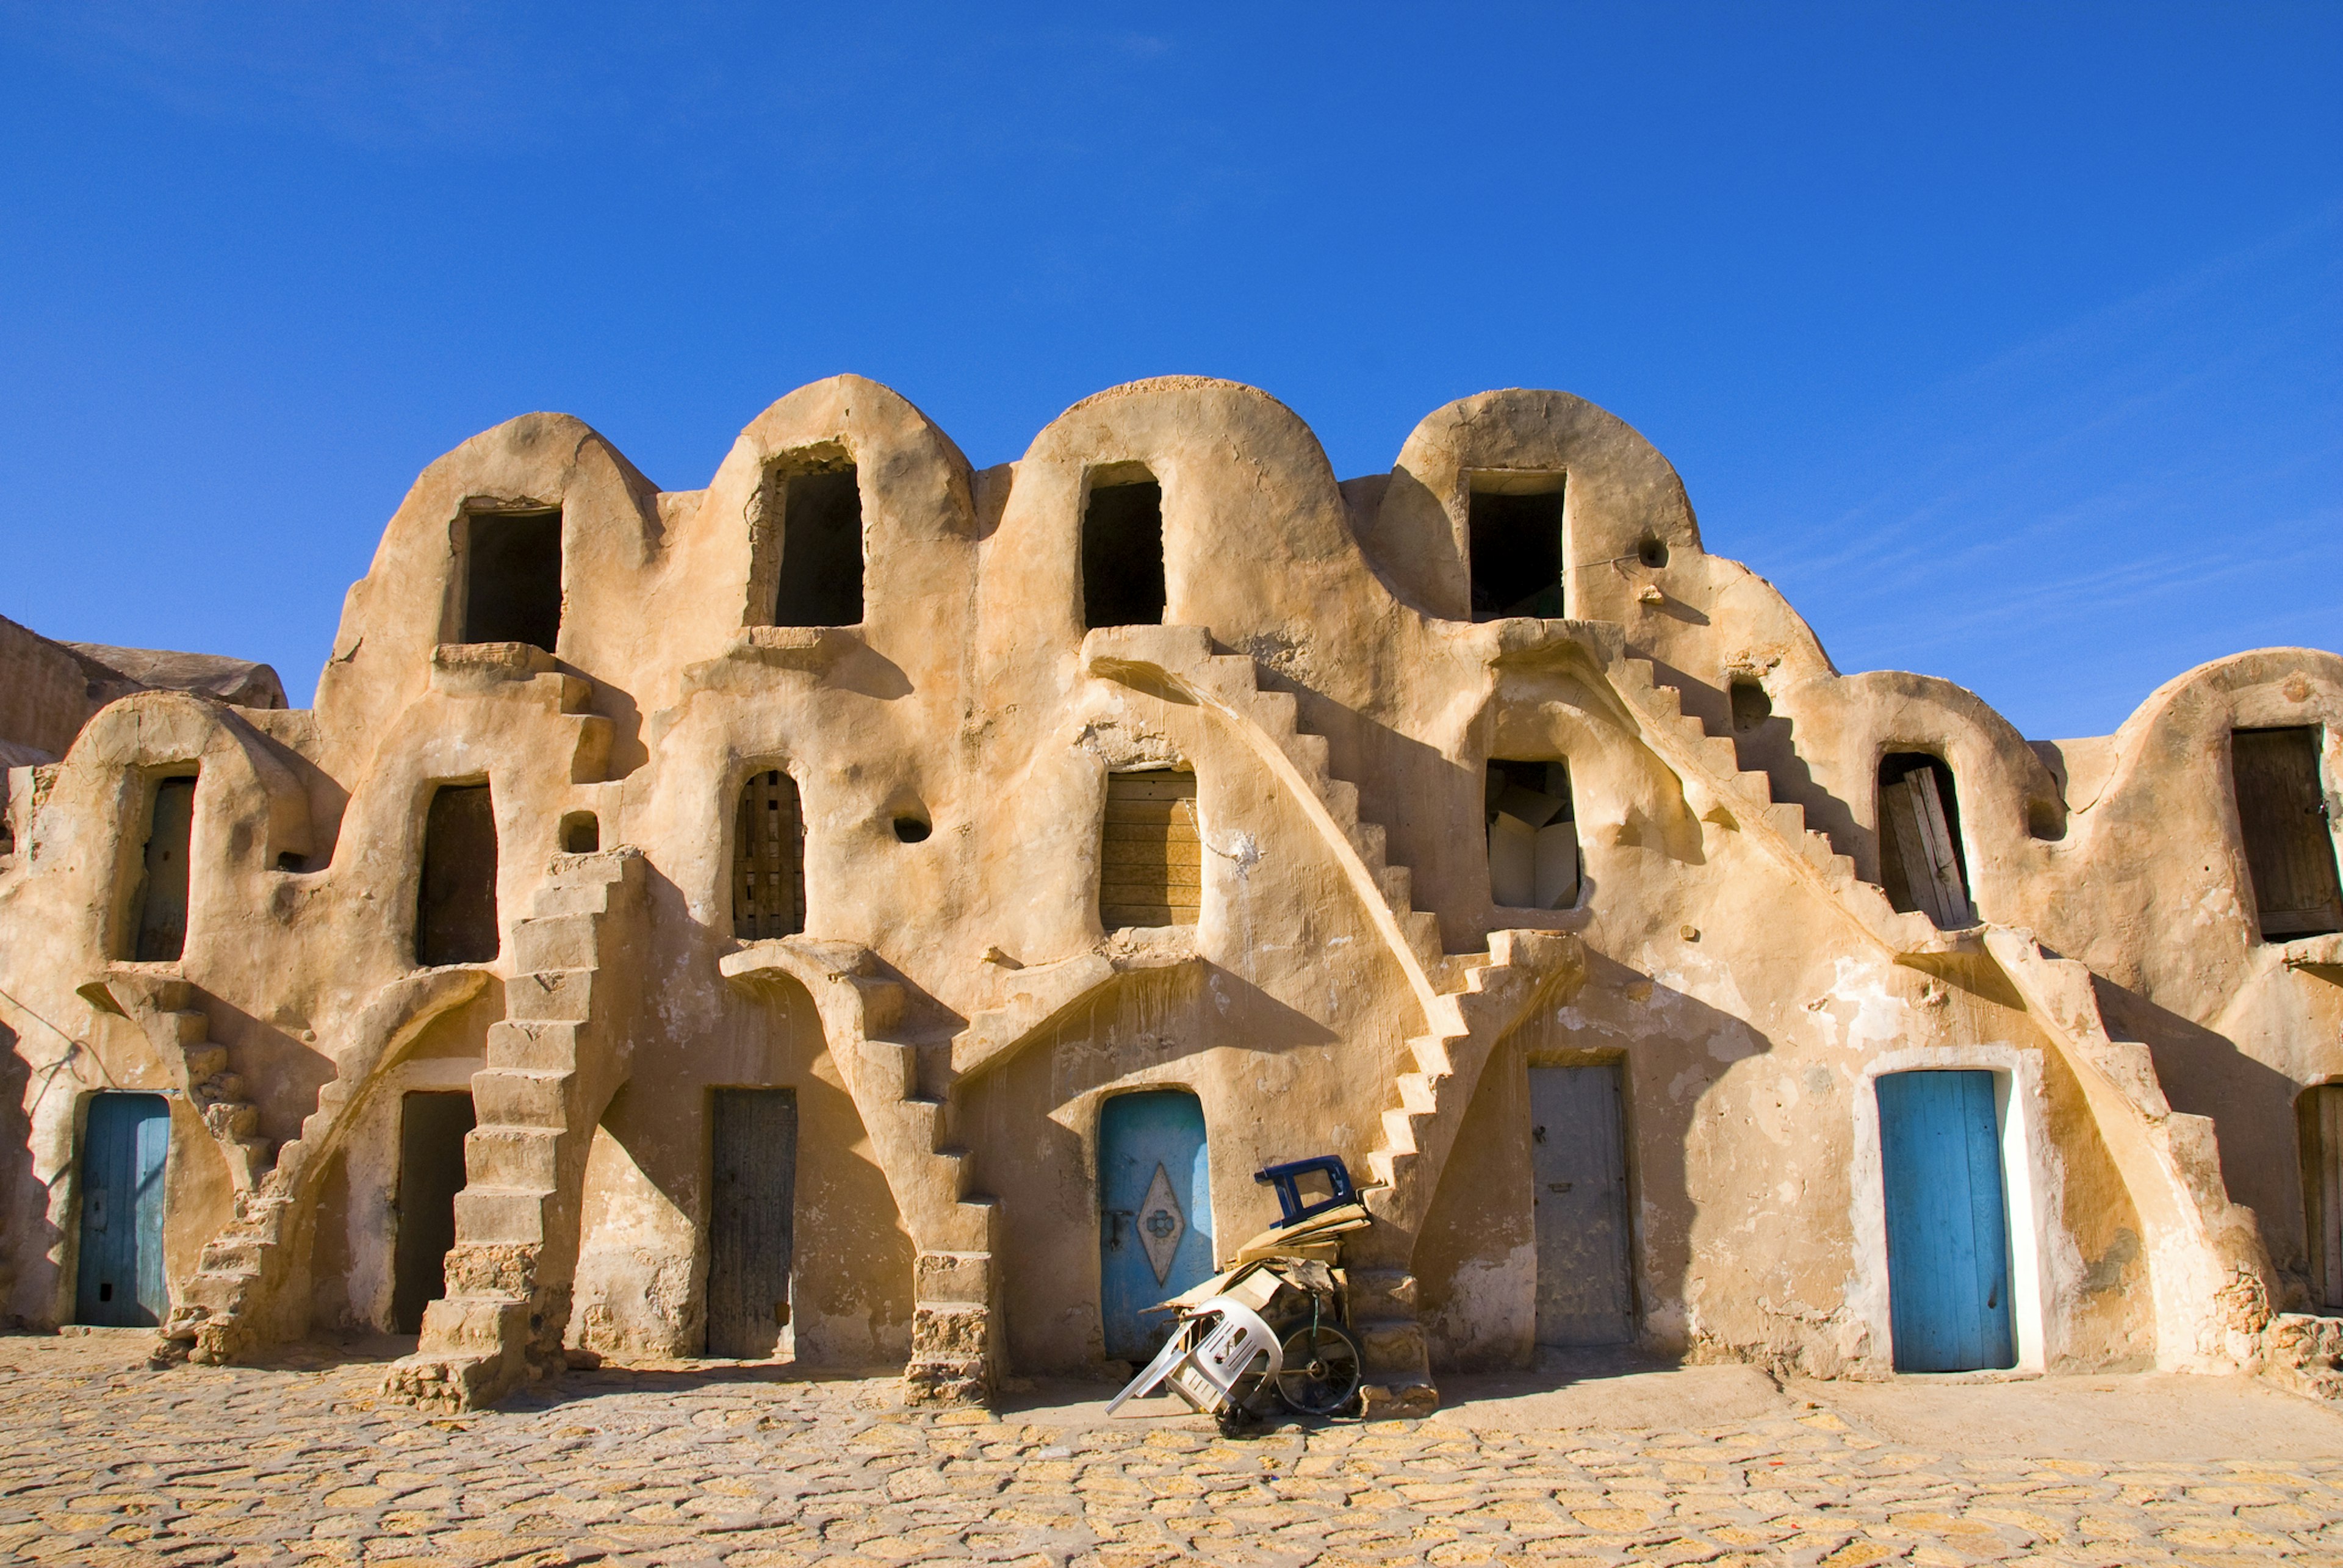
{"x": 1155, "y": 1213}
{"x": 1947, "y": 1228}
{"x": 124, "y": 1145}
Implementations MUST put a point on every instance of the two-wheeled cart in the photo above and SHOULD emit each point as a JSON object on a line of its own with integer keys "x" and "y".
{"x": 1274, "y": 1324}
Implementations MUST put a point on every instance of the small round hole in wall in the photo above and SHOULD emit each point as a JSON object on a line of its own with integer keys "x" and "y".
{"x": 1652, "y": 552}
{"x": 911, "y": 830}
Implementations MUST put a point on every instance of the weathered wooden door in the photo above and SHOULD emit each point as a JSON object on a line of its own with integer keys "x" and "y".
{"x": 1155, "y": 1213}
{"x": 2289, "y": 843}
{"x": 431, "y": 1127}
{"x": 1578, "y": 1168}
{"x": 2320, "y": 1122}
{"x": 1947, "y": 1222}
{"x": 752, "y": 1219}
{"x": 126, "y": 1143}
{"x": 162, "y": 933}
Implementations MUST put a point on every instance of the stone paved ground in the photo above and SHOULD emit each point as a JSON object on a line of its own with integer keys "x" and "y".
{"x": 104, "y": 1462}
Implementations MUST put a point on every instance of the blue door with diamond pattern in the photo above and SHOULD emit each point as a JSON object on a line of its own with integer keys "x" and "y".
{"x": 1155, "y": 1213}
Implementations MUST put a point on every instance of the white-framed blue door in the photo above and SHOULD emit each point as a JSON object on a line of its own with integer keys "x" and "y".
{"x": 1948, "y": 1258}
{"x": 1155, "y": 1213}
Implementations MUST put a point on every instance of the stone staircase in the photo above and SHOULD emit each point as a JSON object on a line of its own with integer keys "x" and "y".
{"x": 1721, "y": 791}
{"x": 1469, "y": 1001}
{"x": 553, "y": 1063}
{"x": 234, "y": 1300}
{"x": 2210, "y": 1275}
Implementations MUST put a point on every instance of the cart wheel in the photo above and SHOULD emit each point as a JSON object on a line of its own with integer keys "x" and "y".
{"x": 1322, "y": 1370}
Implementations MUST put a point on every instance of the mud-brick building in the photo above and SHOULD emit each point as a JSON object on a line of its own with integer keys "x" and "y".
{"x": 880, "y": 911}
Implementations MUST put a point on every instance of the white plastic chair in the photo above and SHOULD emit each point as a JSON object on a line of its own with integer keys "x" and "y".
{"x": 1202, "y": 1360}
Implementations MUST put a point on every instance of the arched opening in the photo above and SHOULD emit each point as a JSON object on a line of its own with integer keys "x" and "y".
{"x": 1533, "y": 834}
{"x": 1155, "y": 1213}
{"x": 1122, "y": 550}
{"x": 431, "y": 1128}
{"x": 1512, "y": 527}
{"x": 1922, "y": 868}
{"x": 512, "y": 578}
{"x": 818, "y": 561}
{"x": 768, "y": 859}
{"x": 158, "y": 906}
{"x": 456, "y": 901}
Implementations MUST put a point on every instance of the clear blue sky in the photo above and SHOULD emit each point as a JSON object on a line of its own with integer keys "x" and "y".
{"x": 2008, "y": 341}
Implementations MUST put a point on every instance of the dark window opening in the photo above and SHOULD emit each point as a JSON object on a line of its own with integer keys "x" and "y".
{"x": 822, "y": 548}
{"x": 431, "y": 1128}
{"x": 1652, "y": 552}
{"x": 160, "y": 933}
{"x": 1150, "y": 856}
{"x": 1516, "y": 552}
{"x": 769, "y": 859}
{"x": 512, "y": 578}
{"x": 911, "y": 830}
{"x": 1533, "y": 835}
{"x": 455, "y": 912}
{"x": 2289, "y": 837}
{"x": 1122, "y": 556}
{"x": 1751, "y": 706}
{"x": 581, "y": 833}
{"x": 290, "y": 862}
{"x": 1922, "y": 867}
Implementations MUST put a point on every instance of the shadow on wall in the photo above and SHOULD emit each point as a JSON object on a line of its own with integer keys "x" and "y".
{"x": 23, "y": 1201}
{"x": 1477, "y": 1265}
{"x": 2251, "y": 1105}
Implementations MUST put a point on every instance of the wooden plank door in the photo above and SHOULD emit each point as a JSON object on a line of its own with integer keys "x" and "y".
{"x": 2320, "y": 1122}
{"x": 2289, "y": 843}
{"x": 1947, "y": 1222}
{"x": 1155, "y": 1213}
{"x": 163, "y": 883}
{"x": 752, "y": 1219}
{"x": 431, "y": 1127}
{"x": 126, "y": 1145}
{"x": 1578, "y": 1167}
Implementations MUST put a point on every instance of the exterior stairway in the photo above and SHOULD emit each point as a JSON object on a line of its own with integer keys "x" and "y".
{"x": 1468, "y": 1001}
{"x": 236, "y": 1298}
{"x": 1722, "y": 792}
{"x": 554, "y": 1063}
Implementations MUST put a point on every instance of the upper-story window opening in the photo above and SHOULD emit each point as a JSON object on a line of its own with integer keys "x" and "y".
{"x": 1122, "y": 552}
{"x": 1533, "y": 835}
{"x": 158, "y": 923}
{"x": 768, "y": 859}
{"x": 1751, "y": 706}
{"x": 1513, "y": 524}
{"x": 512, "y": 578}
{"x": 1150, "y": 855}
{"x": 1922, "y": 867}
{"x": 2289, "y": 837}
{"x": 456, "y": 896}
{"x": 819, "y": 569}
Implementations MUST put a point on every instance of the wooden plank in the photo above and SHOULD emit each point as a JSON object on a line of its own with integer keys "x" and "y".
{"x": 1900, "y": 819}
{"x": 2329, "y": 1197}
{"x": 1943, "y": 866}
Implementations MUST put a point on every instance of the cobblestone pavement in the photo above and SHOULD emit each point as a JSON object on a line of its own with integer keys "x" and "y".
{"x": 104, "y": 1462}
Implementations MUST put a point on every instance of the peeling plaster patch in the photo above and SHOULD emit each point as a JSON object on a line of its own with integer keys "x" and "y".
{"x": 1860, "y": 1003}
{"x": 1492, "y": 1307}
{"x": 2219, "y": 909}
{"x": 1240, "y": 848}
